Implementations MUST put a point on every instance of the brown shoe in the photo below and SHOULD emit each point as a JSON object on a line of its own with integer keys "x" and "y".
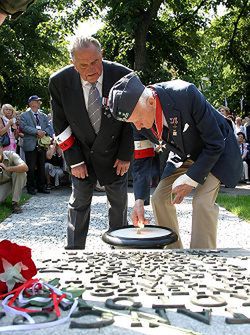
{"x": 16, "y": 209}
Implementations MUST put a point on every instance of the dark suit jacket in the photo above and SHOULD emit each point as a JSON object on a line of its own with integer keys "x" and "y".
{"x": 196, "y": 131}
{"x": 114, "y": 140}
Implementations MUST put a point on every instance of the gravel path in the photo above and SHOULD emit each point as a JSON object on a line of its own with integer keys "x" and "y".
{"x": 42, "y": 225}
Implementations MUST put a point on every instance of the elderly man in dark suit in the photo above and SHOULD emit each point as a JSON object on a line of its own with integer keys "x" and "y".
{"x": 176, "y": 116}
{"x": 95, "y": 145}
{"x": 35, "y": 124}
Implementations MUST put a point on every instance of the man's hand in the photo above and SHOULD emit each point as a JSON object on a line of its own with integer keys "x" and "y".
{"x": 180, "y": 192}
{"x": 40, "y": 133}
{"x": 16, "y": 168}
{"x": 138, "y": 213}
{"x": 121, "y": 167}
{"x": 80, "y": 171}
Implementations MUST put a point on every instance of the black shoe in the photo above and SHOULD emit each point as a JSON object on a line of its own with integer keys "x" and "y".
{"x": 43, "y": 190}
{"x": 68, "y": 247}
{"x": 32, "y": 192}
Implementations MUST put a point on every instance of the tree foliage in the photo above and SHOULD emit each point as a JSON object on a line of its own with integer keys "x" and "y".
{"x": 33, "y": 47}
{"x": 160, "y": 39}
{"x": 164, "y": 40}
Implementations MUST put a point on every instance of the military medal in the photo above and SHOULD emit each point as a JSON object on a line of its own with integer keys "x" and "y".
{"x": 174, "y": 122}
{"x": 158, "y": 124}
{"x": 161, "y": 146}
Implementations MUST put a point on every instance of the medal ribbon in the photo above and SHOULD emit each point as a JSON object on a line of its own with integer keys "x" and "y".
{"x": 14, "y": 303}
{"x": 158, "y": 119}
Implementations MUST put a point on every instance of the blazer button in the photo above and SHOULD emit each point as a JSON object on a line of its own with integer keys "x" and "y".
{"x": 106, "y": 151}
{"x": 112, "y": 137}
{"x": 91, "y": 151}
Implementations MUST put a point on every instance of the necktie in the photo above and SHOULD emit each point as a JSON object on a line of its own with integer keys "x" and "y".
{"x": 37, "y": 118}
{"x": 94, "y": 107}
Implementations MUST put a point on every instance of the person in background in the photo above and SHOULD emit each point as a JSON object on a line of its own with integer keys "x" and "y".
{"x": 13, "y": 8}
{"x": 244, "y": 152}
{"x": 239, "y": 127}
{"x": 34, "y": 125}
{"x": 247, "y": 127}
{"x": 225, "y": 111}
{"x": 176, "y": 116}
{"x": 19, "y": 149}
{"x": 8, "y": 125}
{"x": 55, "y": 165}
{"x": 50, "y": 122}
{"x": 95, "y": 145}
{"x": 12, "y": 177}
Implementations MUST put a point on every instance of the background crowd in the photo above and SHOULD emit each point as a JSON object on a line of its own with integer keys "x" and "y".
{"x": 27, "y": 138}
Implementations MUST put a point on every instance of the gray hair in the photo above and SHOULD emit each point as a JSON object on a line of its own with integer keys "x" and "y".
{"x": 145, "y": 95}
{"x": 82, "y": 42}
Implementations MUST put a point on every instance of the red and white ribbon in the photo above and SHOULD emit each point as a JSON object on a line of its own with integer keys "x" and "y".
{"x": 65, "y": 140}
{"x": 143, "y": 149}
{"x": 14, "y": 301}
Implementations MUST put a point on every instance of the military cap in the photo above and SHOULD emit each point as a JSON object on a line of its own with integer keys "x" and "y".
{"x": 124, "y": 96}
{"x": 14, "y": 8}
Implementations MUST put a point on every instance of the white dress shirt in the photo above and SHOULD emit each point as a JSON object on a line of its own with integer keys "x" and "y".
{"x": 86, "y": 87}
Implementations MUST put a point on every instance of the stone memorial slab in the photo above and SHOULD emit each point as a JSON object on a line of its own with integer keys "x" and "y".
{"x": 153, "y": 291}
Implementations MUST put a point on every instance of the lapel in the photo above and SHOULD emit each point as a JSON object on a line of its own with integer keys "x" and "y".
{"x": 105, "y": 82}
{"x": 78, "y": 108}
{"x": 172, "y": 116}
{"x": 106, "y": 114}
{"x": 32, "y": 117}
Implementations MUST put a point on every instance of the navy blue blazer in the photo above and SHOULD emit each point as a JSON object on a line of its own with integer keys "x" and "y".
{"x": 196, "y": 130}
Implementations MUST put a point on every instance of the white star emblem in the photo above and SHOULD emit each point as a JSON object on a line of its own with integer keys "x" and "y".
{"x": 12, "y": 274}
{"x": 160, "y": 147}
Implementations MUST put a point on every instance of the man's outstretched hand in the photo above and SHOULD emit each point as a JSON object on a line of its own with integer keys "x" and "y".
{"x": 137, "y": 215}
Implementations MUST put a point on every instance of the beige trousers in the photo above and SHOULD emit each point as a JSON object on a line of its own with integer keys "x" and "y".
{"x": 13, "y": 185}
{"x": 205, "y": 210}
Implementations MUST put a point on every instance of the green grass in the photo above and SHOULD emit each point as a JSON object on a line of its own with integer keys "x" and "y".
{"x": 6, "y": 206}
{"x": 239, "y": 205}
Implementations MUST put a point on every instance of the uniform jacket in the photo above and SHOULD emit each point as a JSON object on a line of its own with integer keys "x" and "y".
{"x": 115, "y": 138}
{"x": 28, "y": 127}
{"x": 195, "y": 131}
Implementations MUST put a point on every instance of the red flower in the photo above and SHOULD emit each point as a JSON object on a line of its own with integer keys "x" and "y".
{"x": 16, "y": 265}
